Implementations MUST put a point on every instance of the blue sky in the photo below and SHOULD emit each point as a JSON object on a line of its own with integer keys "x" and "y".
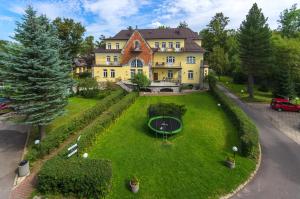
{"x": 109, "y": 16}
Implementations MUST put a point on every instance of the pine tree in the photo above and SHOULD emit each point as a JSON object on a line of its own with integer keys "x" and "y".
{"x": 284, "y": 84}
{"x": 255, "y": 45}
{"x": 37, "y": 77}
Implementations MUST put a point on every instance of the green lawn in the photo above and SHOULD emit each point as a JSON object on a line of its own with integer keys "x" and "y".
{"x": 264, "y": 97}
{"x": 190, "y": 167}
{"x": 76, "y": 105}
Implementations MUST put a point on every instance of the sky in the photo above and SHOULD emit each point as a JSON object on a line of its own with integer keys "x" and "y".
{"x": 107, "y": 17}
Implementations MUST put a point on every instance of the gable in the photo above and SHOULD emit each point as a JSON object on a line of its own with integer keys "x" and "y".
{"x": 144, "y": 52}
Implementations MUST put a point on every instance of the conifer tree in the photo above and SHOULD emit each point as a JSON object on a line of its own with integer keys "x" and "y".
{"x": 255, "y": 45}
{"x": 37, "y": 77}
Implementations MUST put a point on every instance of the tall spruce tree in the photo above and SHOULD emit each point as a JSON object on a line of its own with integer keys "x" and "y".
{"x": 255, "y": 45}
{"x": 36, "y": 76}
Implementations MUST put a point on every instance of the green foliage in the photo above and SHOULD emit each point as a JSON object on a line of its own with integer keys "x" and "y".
{"x": 290, "y": 22}
{"x": 183, "y": 24}
{"x": 286, "y": 65}
{"x": 70, "y": 33}
{"x": 166, "y": 109}
{"x": 218, "y": 60}
{"x": 101, "y": 42}
{"x": 88, "y": 87}
{"x": 3, "y": 44}
{"x": 61, "y": 133}
{"x": 85, "y": 74}
{"x": 37, "y": 76}
{"x": 247, "y": 130}
{"x": 255, "y": 45}
{"x": 212, "y": 81}
{"x": 141, "y": 80}
{"x": 88, "y": 178}
{"x": 87, "y": 46}
{"x": 215, "y": 33}
{"x": 89, "y": 134}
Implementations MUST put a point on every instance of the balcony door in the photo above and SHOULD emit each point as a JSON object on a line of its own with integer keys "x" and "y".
{"x": 155, "y": 76}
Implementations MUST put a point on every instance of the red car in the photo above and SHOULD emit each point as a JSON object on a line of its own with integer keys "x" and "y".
{"x": 280, "y": 104}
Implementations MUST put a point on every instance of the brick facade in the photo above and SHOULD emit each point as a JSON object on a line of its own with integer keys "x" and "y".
{"x": 145, "y": 52}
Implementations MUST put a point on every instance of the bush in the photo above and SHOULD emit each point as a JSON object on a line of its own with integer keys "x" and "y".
{"x": 87, "y": 178}
{"x": 239, "y": 78}
{"x": 56, "y": 136}
{"x": 248, "y": 133}
{"x": 212, "y": 81}
{"x": 88, "y": 135}
{"x": 166, "y": 109}
{"x": 88, "y": 87}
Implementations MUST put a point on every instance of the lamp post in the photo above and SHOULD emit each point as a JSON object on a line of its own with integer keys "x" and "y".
{"x": 234, "y": 149}
{"x": 37, "y": 143}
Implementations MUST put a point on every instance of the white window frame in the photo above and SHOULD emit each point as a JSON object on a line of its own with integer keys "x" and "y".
{"x": 163, "y": 44}
{"x": 108, "y": 59}
{"x": 156, "y": 44}
{"x": 170, "y": 74}
{"x": 177, "y": 45}
{"x": 117, "y": 46}
{"x": 190, "y": 74}
{"x": 112, "y": 73}
{"x": 171, "y": 44}
{"x": 115, "y": 59}
{"x": 190, "y": 60}
{"x": 108, "y": 45}
{"x": 105, "y": 73}
{"x": 170, "y": 59}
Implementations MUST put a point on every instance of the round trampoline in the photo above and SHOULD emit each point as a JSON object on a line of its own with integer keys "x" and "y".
{"x": 165, "y": 125}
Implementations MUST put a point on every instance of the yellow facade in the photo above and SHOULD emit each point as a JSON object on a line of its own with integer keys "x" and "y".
{"x": 183, "y": 69}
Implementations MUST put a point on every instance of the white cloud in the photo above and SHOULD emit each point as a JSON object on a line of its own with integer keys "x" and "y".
{"x": 6, "y": 18}
{"x": 197, "y": 13}
{"x": 156, "y": 24}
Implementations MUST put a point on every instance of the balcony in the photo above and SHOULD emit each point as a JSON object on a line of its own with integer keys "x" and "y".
{"x": 170, "y": 49}
{"x": 136, "y": 49}
{"x": 111, "y": 64}
{"x": 163, "y": 65}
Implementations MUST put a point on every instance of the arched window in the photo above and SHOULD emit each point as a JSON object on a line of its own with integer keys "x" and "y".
{"x": 136, "y": 63}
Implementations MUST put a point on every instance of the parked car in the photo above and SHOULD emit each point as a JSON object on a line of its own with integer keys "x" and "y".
{"x": 281, "y": 104}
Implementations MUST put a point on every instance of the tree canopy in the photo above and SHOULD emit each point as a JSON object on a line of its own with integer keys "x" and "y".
{"x": 290, "y": 22}
{"x": 37, "y": 78}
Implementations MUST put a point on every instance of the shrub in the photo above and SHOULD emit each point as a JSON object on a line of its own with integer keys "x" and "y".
{"x": 88, "y": 135}
{"x": 88, "y": 87}
{"x": 87, "y": 178}
{"x": 56, "y": 136}
{"x": 248, "y": 133}
{"x": 141, "y": 80}
{"x": 166, "y": 109}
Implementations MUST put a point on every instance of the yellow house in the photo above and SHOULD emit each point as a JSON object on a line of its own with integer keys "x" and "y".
{"x": 172, "y": 55}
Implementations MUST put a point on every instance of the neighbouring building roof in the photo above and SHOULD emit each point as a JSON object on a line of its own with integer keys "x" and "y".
{"x": 168, "y": 33}
{"x": 84, "y": 61}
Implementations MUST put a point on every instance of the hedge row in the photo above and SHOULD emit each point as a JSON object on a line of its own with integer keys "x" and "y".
{"x": 56, "y": 136}
{"x": 89, "y": 134}
{"x": 88, "y": 178}
{"x": 247, "y": 130}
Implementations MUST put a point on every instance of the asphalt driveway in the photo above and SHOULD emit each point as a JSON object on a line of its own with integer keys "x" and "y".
{"x": 279, "y": 173}
{"x": 12, "y": 141}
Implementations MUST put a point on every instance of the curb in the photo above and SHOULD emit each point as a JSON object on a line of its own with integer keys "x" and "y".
{"x": 252, "y": 175}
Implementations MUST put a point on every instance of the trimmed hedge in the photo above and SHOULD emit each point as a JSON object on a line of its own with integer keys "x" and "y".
{"x": 166, "y": 109}
{"x": 89, "y": 134}
{"x": 247, "y": 130}
{"x": 56, "y": 136}
{"x": 87, "y": 178}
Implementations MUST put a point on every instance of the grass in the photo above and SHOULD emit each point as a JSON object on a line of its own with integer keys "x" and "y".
{"x": 76, "y": 105}
{"x": 191, "y": 166}
{"x": 259, "y": 96}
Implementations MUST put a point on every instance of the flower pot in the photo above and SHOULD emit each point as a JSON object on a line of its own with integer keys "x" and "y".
{"x": 134, "y": 187}
{"x": 230, "y": 164}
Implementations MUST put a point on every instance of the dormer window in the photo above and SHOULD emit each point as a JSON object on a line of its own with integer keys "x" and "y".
{"x": 117, "y": 46}
{"x": 109, "y": 46}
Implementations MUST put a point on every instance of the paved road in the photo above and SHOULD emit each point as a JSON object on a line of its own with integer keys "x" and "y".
{"x": 12, "y": 141}
{"x": 279, "y": 173}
